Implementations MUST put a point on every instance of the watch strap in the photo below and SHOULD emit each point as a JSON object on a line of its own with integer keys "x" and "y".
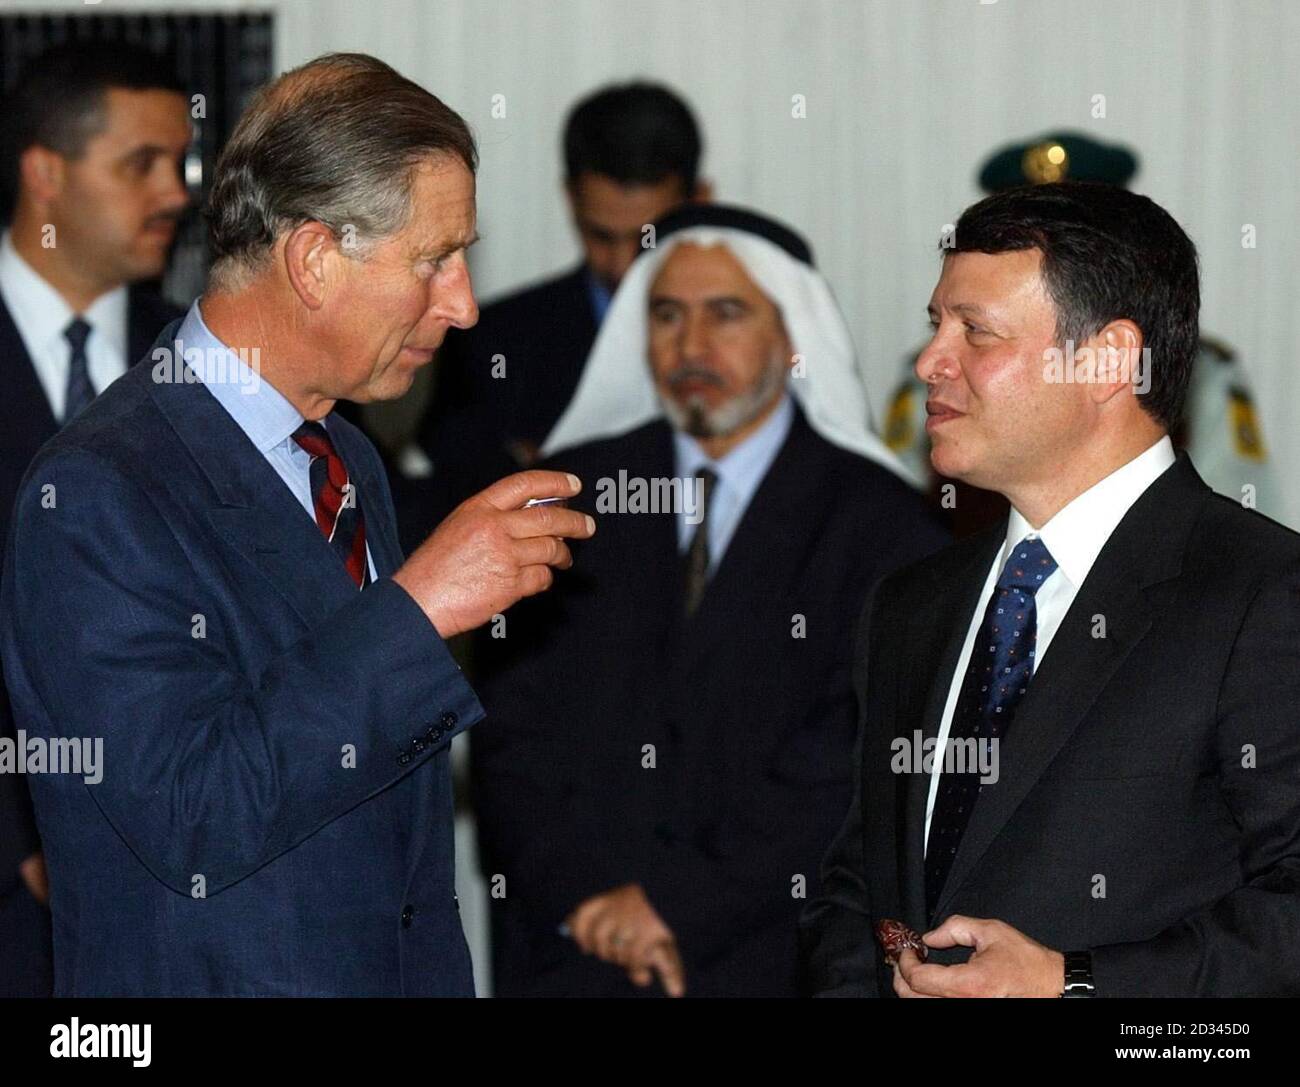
{"x": 1078, "y": 975}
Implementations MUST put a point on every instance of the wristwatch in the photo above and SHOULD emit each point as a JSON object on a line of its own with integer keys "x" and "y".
{"x": 1078, "y": 974}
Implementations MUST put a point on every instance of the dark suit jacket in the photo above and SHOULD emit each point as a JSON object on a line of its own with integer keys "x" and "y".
{"x": 26, "y": 423}
{"x": 751, "y": 725}
{"x": 1148, "y": 806}
{"x": 475, "y": 421}
{"x": 275, "y": 811}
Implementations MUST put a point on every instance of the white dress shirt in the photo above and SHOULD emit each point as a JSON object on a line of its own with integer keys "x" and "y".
{"x": 41, "y": 316}
{"x": 1074, "y": 537}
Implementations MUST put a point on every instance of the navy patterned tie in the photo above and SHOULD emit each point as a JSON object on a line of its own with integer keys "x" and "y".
{"x": 1001, "y": 666}
{"x": 80, "y": 391}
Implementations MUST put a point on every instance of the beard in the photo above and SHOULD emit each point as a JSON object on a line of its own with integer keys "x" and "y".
{"x": 696, "y": 418}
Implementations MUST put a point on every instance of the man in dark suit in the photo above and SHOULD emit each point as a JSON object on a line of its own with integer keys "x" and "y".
{"x": 1078, "y": 750}
{"x": 631, "y": 155}
{"x": 205, "y": 598}
{"x": 92, "y": 144}
{"x": 666, "y": 754}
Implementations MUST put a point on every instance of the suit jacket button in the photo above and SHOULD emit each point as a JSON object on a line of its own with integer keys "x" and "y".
{"x": 403, "y": 759}
{"x": 449, "y": 720}
{"x": 407, "y": 914}
{"x": 417, "y": 745}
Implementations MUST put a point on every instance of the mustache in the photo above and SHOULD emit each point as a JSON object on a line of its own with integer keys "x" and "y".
{"x": 694, "y": 373}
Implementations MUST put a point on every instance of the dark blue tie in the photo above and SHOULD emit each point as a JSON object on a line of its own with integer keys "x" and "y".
{"x": 1001, "y": 666}
{"x": 80, "y": 391}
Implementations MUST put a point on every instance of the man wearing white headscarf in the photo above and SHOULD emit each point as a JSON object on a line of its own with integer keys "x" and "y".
{"x": 667, "y": 750}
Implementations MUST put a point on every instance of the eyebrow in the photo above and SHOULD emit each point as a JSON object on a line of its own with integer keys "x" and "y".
{"x": 714, "y": 300}
{"x": 450, "y": 247}
{"x": 610, "y": 232}
{"x": 153, "y": 150}
{"x": 964, "y": 308}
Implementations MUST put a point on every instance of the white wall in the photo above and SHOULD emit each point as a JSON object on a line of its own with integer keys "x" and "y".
{"x": 904, "y": 98}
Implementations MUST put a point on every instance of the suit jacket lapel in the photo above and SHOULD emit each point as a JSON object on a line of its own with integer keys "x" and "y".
{"x": 653, "y": 563}
{"x": 253, "y": 509}
{"x": 29, "y": 417}
{"x": 767, "y": 549}
{"x": 957, "y": 591}
{"x": 1145, "y": 550}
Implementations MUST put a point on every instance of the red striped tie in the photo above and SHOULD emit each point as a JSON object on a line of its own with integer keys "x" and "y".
{"x": 337, "y": 512}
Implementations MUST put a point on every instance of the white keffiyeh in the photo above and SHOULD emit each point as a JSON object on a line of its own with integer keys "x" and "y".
{"x": 617, "y": 393}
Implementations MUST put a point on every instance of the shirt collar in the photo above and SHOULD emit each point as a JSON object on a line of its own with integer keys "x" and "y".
{"x": 41, "y": 314}
{"x": 1079, "y": 530}
{"x": 256, "y": 405}
{"x": 107, "y": 315}
{"x": 744, "y": 467}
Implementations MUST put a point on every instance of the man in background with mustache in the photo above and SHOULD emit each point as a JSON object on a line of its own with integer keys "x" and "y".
{"x": 668, "y": 739}
{"x": 93, "y": 143}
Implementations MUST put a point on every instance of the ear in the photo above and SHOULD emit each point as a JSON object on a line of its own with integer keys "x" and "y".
{"x": 1118, "y": 361}
{"x": 42, "y": 173}
{"x": 703, "y": 193}
{"x": 310, "y": 258}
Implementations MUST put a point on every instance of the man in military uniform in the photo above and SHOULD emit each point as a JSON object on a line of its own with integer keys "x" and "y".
{"x": 1219, "y": 429}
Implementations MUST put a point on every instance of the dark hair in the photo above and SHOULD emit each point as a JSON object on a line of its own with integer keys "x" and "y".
{"x": 336, "y": 141}
{"x": 635, "y": 133}
{"x": 1108, "y": 254}
{"x": 58, "y": 100}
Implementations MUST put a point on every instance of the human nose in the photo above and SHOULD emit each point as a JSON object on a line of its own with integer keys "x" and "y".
{"x": 693, "y": 341}
{"x": 170, "y": 185}
{"x": 937, "y": 361}
{"x": 456, "y": 302}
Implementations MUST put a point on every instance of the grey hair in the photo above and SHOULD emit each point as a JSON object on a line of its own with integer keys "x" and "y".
{"x": 336, "y": 141}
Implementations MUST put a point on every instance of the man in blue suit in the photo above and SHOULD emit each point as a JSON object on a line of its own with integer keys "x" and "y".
{"x": 204, "y": 595}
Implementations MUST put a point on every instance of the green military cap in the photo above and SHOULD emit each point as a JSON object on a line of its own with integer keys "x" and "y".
{"x": 1058, "y": 156}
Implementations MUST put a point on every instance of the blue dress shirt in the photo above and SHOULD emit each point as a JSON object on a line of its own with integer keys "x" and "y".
{"x": 600, "y": 296}
{"x": 739, "y": 474}
{"x": 258, "y": 407}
